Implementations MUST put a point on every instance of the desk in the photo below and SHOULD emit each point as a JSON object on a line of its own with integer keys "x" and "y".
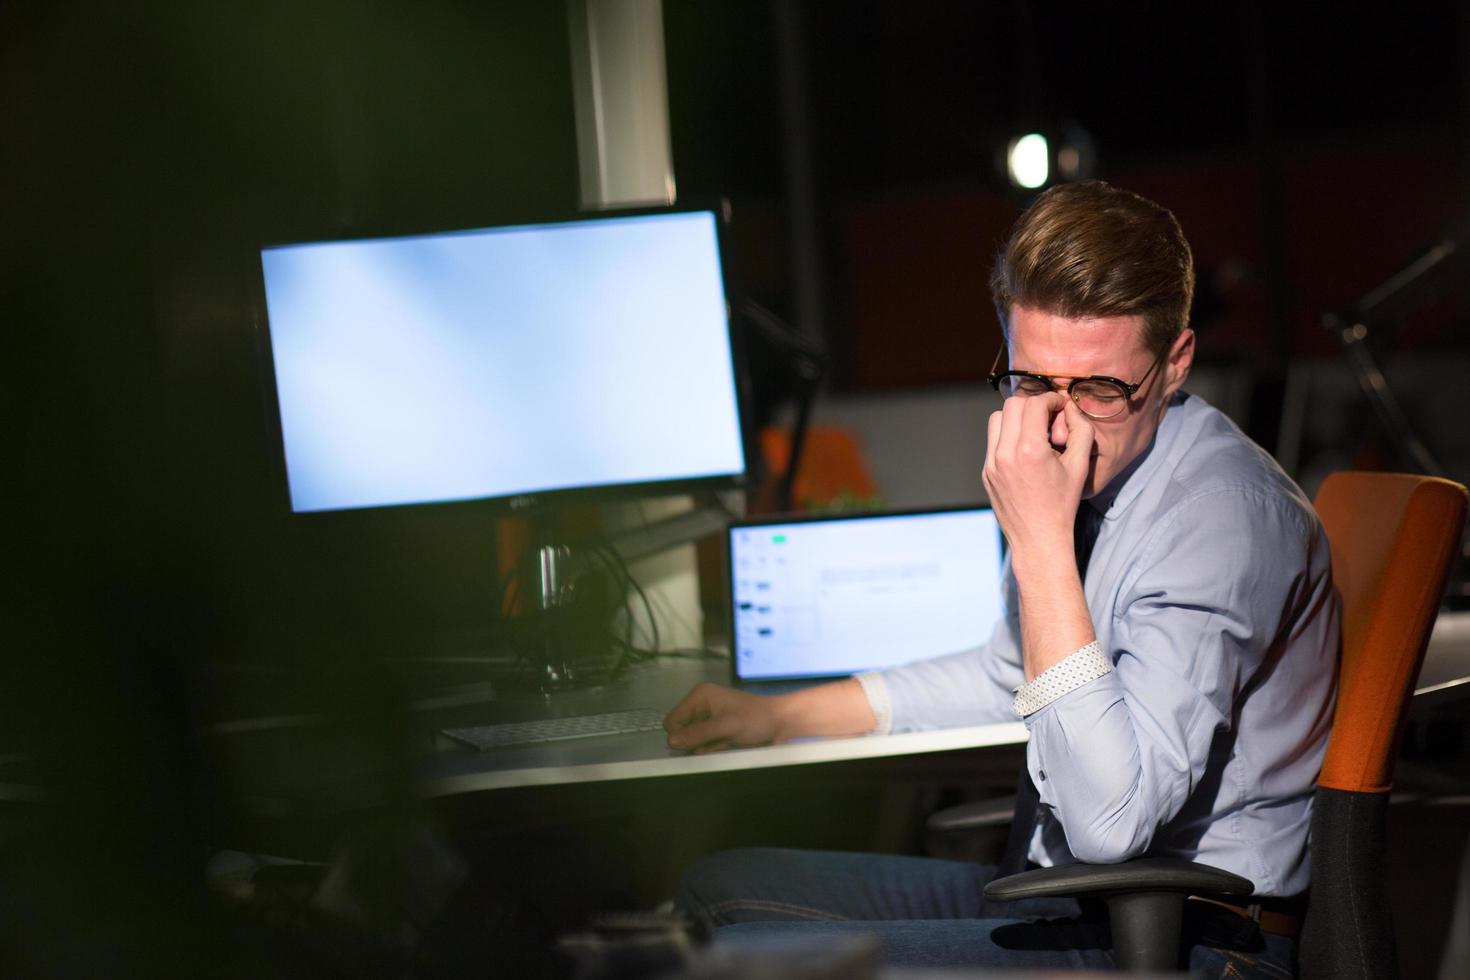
{"x": 311, "y": 772}
{"x": 645, "y": 755}
{"x": 446, "y": 769}
{"x": 1445, "y": 676}
{"x": 289, "y": 766}
{"x": 1443, "y": 681}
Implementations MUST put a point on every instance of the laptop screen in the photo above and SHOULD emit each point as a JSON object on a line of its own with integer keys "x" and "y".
{"x": 830, "y": 596}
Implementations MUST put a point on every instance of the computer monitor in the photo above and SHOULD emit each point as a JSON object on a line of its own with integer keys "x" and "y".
{"x": 517, "y": 364}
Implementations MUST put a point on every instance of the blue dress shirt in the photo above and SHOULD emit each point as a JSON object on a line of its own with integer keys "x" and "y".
{"x": 1211, "y": 594}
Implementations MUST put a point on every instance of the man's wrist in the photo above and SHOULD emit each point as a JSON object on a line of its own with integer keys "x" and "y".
{"x": 784, "y": 715}
{"x": 1047, "y": 539}
{"x": 838, "y": 708}
{"x": 1045, "y": 566}
{"x": 1054, "y": 617}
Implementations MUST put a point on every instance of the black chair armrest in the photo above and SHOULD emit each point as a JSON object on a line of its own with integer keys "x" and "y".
{"x": 995, "y": 812}
{"x": 1145, "y": 899}
{"x": 1140, "y": 874}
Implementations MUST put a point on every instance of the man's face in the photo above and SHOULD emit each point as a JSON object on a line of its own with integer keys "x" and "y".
{"x": 1045, "y": 343}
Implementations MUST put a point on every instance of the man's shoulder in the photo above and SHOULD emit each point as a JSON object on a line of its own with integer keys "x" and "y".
{"x": 1213, "y": 462}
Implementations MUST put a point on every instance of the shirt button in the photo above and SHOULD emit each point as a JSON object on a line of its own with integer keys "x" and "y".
{"x": 1041, "y": 775}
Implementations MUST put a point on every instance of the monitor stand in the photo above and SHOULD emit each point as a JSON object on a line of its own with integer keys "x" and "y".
{"x": 554, "y": 657}
{"x": 562, "y": 633}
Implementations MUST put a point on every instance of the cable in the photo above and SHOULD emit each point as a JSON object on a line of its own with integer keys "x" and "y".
{"x": 647, "y": 607}
{"x": 601, "y": 553}
{"x": 625, "y": 580}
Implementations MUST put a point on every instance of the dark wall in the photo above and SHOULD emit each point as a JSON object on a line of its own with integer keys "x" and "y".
{"x": 149, "y": 149}
{"x": 1308, "y": 155}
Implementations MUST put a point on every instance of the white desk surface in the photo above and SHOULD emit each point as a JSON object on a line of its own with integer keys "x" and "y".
{"x": 644, "y": 755}
{"x": 1445, "y": 678}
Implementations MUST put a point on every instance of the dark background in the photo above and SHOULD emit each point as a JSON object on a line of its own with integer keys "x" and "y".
{"x": 147, "y": 150}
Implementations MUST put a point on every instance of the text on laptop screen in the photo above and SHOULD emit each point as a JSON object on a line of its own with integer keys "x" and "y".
{"x": 838, "y": 596}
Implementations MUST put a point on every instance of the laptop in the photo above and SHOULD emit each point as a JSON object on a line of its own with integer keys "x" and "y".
{"x": 833, "y": 595}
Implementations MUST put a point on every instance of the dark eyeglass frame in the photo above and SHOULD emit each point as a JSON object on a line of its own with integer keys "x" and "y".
{"x": 1129, "y": 390}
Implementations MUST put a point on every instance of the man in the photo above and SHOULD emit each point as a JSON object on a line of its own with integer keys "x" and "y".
{"x": 1171, "y": 640}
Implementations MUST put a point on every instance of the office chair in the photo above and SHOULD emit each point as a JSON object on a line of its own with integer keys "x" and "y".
{"x": 831, "y": 467}
{"x": 1393, "y": 538}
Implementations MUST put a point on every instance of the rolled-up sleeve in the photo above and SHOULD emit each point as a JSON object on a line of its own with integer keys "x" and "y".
{"x": 1087, "y": 664}
{"x": 1117, "y": 757}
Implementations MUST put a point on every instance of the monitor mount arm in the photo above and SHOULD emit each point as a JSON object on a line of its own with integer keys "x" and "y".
{"x": 1388, "y": 301}
{"x": 809, "y": 363}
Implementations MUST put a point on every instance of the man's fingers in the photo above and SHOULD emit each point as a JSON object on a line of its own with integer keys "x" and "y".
{"x": 716, "y": 746}
{"x": 1040, "y": 410}
{"x": 712, "y": 717}
{"x": 1080, "y": 439}
{"x": 992, "y": 437}
{"x": 694, "y": 707}
{"x": 703, "y": 716}
{"x": 1060, "y": 432}
{"x": 1010, "y": 427}
{"x": 703, "y": 734}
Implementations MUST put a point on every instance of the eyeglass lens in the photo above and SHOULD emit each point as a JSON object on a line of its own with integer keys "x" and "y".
{"x": 1099, "y": 399}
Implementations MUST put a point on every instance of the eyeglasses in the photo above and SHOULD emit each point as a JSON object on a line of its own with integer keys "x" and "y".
{"x": 1099, "y": 397}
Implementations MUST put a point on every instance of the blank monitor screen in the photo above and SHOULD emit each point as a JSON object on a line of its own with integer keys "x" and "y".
{"x": 503, "y": 362}
{"x": 839, "y": 595}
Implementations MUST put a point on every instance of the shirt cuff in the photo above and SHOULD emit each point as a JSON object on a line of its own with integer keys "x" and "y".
{"x": 1087, "y": 664}
{"x": 876, "y": 688}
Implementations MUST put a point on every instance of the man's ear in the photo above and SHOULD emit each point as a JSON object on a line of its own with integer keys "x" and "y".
{"x": 1179, "y": 361}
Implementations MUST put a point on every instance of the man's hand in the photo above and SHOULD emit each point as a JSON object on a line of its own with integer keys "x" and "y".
{"x": 1035, "y": 488}
{"x": 1036, "y": 463}
{"x": 712, "y": 717}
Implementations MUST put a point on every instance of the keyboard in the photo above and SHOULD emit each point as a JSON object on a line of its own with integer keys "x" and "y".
{"x": 501, "y": 736}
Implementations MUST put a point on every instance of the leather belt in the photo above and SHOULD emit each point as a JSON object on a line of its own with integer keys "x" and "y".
{"x": 1280, "y": 917}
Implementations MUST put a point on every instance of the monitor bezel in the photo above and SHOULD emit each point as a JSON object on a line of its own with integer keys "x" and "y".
{"x": 539, "y": 501}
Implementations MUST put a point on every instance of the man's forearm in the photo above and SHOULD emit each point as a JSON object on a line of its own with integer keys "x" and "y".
{"x": 840, "y": 708}
{"x": 1055, "y": 622}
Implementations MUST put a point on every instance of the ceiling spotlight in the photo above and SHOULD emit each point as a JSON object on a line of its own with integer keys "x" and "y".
{"x": 1049, "y": 154}
{"x": 1028, "y": 161}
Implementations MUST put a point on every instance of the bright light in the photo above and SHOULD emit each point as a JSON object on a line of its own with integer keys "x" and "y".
{"x": 1029, "y": 161}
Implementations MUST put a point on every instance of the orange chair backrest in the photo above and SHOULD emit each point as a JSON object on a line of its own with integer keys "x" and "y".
{"x": 832, "y": 464}
{"x": 1393, "y": 537}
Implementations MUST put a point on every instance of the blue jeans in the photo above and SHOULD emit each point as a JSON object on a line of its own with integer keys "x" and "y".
{"x": 928, "y": 913}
